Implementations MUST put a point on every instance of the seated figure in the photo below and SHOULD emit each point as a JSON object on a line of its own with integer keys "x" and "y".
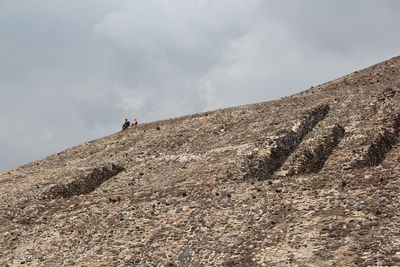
{"x": 126, "y": 124}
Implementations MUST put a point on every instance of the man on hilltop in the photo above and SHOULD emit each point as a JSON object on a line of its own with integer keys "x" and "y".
{"x": 126, "y": 125}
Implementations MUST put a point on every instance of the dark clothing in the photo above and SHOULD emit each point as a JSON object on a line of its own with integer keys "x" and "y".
{"x": 126, "y": 125}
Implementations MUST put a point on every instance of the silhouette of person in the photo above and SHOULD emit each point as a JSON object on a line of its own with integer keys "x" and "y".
{"x": 126, "y": 124}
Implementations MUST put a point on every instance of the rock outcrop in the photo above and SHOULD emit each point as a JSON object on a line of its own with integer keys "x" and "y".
{"x": 309, "y": 180}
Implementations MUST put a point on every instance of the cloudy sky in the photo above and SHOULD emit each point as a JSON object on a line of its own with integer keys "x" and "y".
{"x": 71, "y": 71}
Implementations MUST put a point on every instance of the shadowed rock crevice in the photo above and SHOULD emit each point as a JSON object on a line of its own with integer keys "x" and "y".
{"x": 261, "y": 167}
{"x": 84, "y": 184}
{"x": 312, "y": 159}
{"x": 381, "y": 145}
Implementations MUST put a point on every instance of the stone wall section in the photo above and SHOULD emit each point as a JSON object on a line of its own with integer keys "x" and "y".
{"x": 84, "y": 184}
{"x": 311, "y": 157}
{"x": 279, "y": 149}
{"x": 385, "y": 140}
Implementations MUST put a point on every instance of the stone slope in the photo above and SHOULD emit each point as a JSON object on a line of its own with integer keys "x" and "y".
{"x": 308, "y": 180}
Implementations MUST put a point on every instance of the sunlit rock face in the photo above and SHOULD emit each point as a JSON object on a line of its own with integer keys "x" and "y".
{"x": 309, "y": 180}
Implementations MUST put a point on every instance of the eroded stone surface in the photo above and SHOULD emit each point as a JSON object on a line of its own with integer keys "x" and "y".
{"x": 188, "y": 195}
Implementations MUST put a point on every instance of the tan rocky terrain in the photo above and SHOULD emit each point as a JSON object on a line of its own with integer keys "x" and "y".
{"x": 309, "y": 180}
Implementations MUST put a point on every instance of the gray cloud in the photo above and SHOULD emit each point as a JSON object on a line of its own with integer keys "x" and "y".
{"x": 72, "y": 71}
{"x": 102, "y": 109}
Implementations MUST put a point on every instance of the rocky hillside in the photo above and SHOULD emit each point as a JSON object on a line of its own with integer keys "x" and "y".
{"x": 309, "y": 180}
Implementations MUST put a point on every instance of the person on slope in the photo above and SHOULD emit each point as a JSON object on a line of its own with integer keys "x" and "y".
{"x": 126, "y": 125}
{"x": 134, "y": 123}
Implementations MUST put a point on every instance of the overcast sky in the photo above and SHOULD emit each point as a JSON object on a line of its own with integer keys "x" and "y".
{"x": 71, "y": 71}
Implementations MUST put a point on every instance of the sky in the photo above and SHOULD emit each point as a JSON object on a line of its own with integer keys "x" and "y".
{"x": 72, "y": 71}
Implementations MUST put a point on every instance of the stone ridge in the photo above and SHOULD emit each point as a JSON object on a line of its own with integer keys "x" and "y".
{"x": 279, "y": 150}
{"x": 382, "y": 144}
{"x": 311, "y": 159}
{"x": 309, "y": 180}
{"x": 83, "y": 185}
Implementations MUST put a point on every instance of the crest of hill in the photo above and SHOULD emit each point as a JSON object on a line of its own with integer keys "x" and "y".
{"x": 311, "y": 179}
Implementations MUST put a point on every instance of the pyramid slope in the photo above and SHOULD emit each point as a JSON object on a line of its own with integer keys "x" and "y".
{"x": 311, "y": 179}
